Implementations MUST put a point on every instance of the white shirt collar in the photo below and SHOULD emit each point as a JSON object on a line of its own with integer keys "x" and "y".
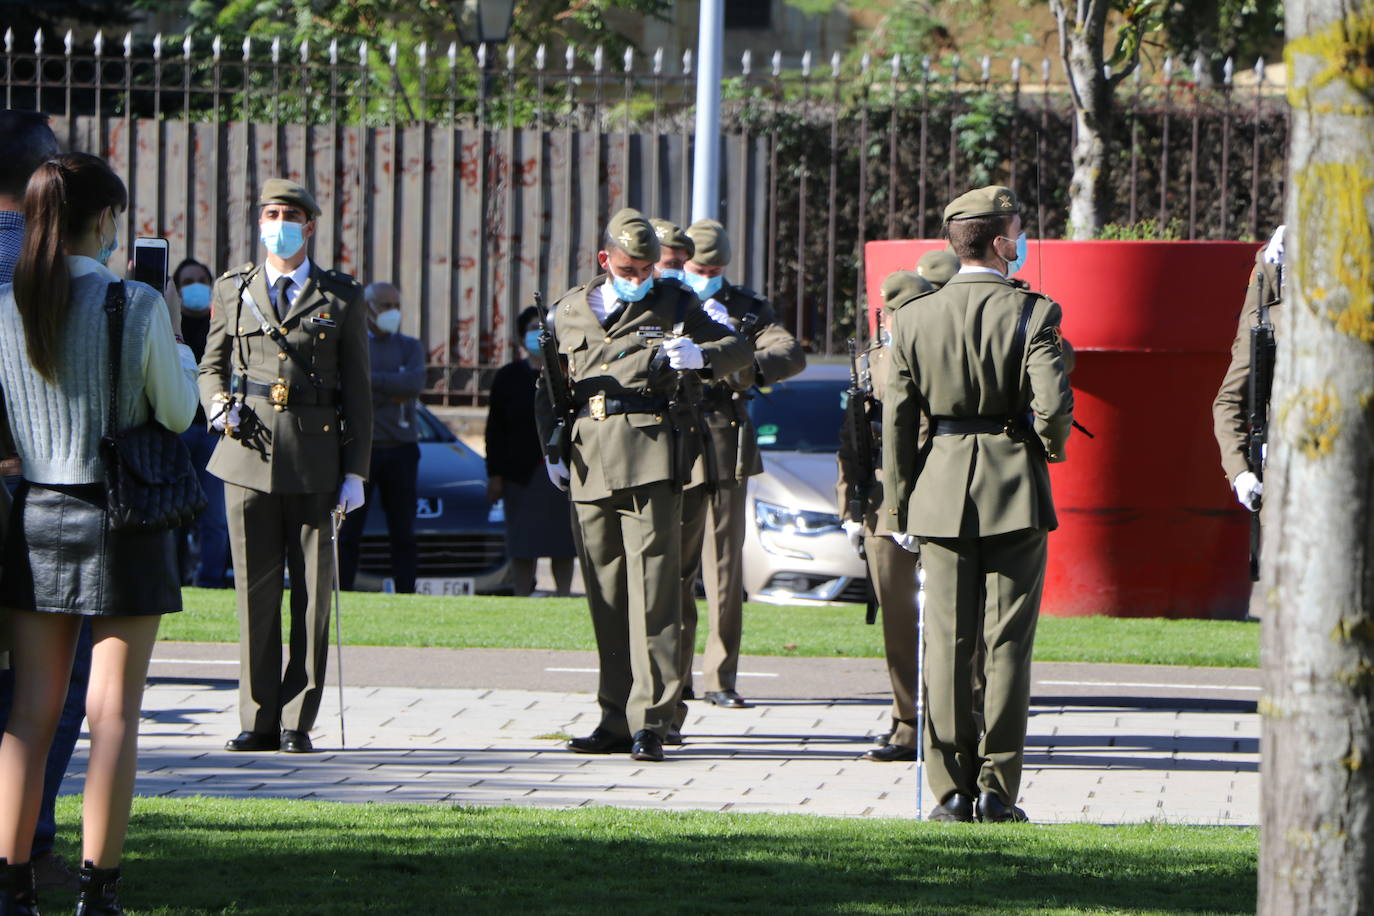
{"x": 298, "y": 276}
{"x": 79, "y": 265}
{"x": 603, "y": 304}
{"x": 977, "y": 269}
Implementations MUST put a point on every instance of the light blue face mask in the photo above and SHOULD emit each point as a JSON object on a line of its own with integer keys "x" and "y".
{"x": 704, "y": 287}
{"x": 1020, "y": 262}
{"x": 532, "y": 341}
{"x": 629, "y": 290}
{"x": 107, "y": 251}
{"x": 281, "y": 237}
{"x": 669, "y": 273}
{"x": 195, "y": 297}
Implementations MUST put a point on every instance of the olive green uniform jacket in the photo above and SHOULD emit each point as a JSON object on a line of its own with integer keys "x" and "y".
{"x": 951, "y": 357}
{"x": 1229, "y": 421}
{"x": 307, "y": 446}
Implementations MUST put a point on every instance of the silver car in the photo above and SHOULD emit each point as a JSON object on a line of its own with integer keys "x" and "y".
{"x": 795, "y": 551}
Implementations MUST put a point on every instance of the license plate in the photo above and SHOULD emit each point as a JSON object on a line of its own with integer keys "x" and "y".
{"x": 442, "y": 586}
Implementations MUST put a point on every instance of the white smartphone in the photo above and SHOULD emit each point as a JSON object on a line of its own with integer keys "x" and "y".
{"x": 150, "y": 262}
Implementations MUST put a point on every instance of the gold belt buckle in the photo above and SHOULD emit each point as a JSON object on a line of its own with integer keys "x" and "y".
{"x": 596, "y": 406}
{"x": 279, "y": 394}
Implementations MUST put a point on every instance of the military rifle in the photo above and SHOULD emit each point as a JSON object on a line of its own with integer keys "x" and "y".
{"x": 1260, "y": 384}
{"x": 555, "y": 380}
{"x": 860, "y": 434}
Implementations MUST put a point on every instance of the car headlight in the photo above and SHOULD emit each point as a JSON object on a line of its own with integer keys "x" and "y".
{"x": 783, "y": 520}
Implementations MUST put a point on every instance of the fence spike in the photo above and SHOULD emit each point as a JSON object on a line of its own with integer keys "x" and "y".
{"x": 806, "y": 64}
{"x": 276, "y": 50}
{"x": 157, "y": 46}
{"x": 128, "y": 45}
{"x": 216, "y": 48}
{"x": 954, "y": 67}
{"x": 1045, "y": 71}
{"x": 1016, "y": 70}
{"x": 67, "y": 42}
{"x": 1168, "y": 68}
{"x": 482, "y": 56}
{"x": 9, "y": 41}
{"x": 186, "y": 47}
{"x": 864, "y": 63}
{"x": 896, "y": 66}
{"x": 687, "y": 62}
{"x": 658, "y": 61}
{"x": 1228, "y": 71}
{"x": 539, "y": 56}
{"x": 987, "y": 68}
{"x": 391, "y": 54}
{"x": 629, "y": 59}
{"x": 569, "y": 57}
{"x": 925, "y": 66}
{"x": 452, "y": 55}
{"x": 1107, "y": 70}
{"x": 422, "y": 53}
{"x": 776, "y": 63}
{"x": 305, "y": 50}
{"x": 362, "y": 54}
{"x": 247, "y": 46}
{"x": 598, "y": 59}
{"x": 1135, "y": 76}
{"x": 333, "y": 51}
{"x": 38, "y": 42}
{"x": 1259, "y": 71}
{"x": 510, "y": 57}
{"x": 1197, "y": 69}
{"x": 835, "y": 65}
{"x": 746, "y": 59}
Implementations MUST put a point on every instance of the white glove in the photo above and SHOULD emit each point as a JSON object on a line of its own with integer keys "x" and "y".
{"x": 683, "y": 353}
{"x": 558, "y": 473}
{"x": 1273, "y": 252}
{"x": 224, "y": 420}
{"x": 351, "y": 495}
{"x": 1248, "y": 489}
{"x": 855, "y": 532}
{"x": 717, "y": 312}
{"x": 907, "y": 542}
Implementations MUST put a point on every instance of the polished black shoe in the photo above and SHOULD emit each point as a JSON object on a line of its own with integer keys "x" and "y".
{"x": 890, "y": 753}
{"x": 253, "y": 741}
{"x": 600, "y": 741}
{"x": 955, "y": 807}
{"x": 296, "y": 742}
{"x": 99, "y": 894}
{"x": 673, "y": 738}
{"x": 992, "y": 810}
{"x": 726, "y": 699}
{"x": 648, "y": 746}
{"x": 17, "y": 894}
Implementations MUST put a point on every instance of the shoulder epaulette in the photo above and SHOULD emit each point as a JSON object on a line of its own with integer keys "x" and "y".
{"x": 239, "y": 271}
{"x": 912, "y": 298}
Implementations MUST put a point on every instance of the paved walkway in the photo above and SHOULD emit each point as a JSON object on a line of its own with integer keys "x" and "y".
{"x": 1107, "y": 744}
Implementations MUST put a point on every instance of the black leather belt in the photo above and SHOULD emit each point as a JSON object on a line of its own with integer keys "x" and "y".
{"x": 601, "y": 406}
{"x": 967, "y": 426}
{"x": 284, "y": 395}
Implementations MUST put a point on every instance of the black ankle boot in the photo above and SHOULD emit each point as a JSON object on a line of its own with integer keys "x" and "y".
{"x": 99, "y": 895}
{"x": 17, "y": 895}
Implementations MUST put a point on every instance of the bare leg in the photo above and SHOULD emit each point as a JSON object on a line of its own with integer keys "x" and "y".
{"x": 42, "y": 670}
{"x": 522, "y": 571}
{"x": 119, "y": 666}
{"x": 562, "y": 575}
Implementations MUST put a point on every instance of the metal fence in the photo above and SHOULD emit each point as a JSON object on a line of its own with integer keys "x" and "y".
{"x": 471, "y": 182}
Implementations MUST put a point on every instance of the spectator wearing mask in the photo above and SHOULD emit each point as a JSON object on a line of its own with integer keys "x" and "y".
{"x": 538, "y": 514}
{"x": 192, "y": 282}
{"x": 62, "y": 561}
{"x": 398, "y": 377}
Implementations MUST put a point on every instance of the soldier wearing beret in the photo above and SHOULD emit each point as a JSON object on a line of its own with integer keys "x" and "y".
{"x": 285, "y": 379}
{"x": 624, "y": 338}
{"x": 891, "y": 569}
{"x": 981, "y": 358}
{"x": 777, "y": 356}
{"x": 937, "y": 267}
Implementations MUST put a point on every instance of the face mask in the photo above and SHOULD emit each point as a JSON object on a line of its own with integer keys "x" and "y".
{"x": 629, "y": 290}
{"x": 106, "y": 251}
{"x": 532, "y": 342}
{"x": 704, "y": 287}
{"x": 1020, "y": 262}
{"x": 388, "y": 322}
{"x": 669, "y": 273}
{"x": 195, "y": 297}
{"x": 281, "y": 238}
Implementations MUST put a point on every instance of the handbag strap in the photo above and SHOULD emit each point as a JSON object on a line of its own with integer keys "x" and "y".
{"x": 114, "y": 322}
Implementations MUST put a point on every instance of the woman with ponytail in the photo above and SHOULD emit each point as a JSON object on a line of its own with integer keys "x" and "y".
{"x": 61, "y": 561}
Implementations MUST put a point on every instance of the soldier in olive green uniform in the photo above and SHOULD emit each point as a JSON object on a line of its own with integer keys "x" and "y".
{"x": 891, "y": 569}
{"x": 777, "y": 356}
{"x": 981, "y": 359}
{"x": 626, "y": 472}
{"x": 285, "y": 377}
{"x": 937, "y": 267}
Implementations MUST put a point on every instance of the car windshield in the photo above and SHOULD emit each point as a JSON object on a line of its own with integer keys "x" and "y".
{"x": 799, "y": 416}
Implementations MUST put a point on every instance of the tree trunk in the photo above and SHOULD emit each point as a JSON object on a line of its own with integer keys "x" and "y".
{"x": 1082, "y": 33}
{"x": 1316, "y": 595}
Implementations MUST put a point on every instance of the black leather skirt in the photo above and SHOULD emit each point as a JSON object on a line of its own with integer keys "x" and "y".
{"x": 61, "y": 557}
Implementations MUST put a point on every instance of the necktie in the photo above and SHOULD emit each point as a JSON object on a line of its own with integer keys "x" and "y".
{"x": 283, "y": 304}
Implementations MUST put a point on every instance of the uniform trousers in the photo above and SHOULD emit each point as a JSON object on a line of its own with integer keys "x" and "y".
{"x": 693, "y": 532}
{"x": 630, "y": 545}
{"x": 892, "y": 571}
{"x": 723, "y": 568}
{"x": 272, "y": 533}
{"x": 989, "y": 586}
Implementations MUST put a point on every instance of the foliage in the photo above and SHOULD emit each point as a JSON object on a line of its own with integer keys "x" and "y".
{"x": 981, "y": 127}
{"x": 1145, "y": 229}
{"x": 1218, "y": 29}
{"x": 53, "y": 16}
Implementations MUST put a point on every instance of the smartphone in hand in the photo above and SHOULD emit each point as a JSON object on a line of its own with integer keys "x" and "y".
{"x": 150, "y": 262}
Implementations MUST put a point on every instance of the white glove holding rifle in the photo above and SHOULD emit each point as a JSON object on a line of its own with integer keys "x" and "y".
{"x": 855, "y": 532}
{"x": 225, "y": 416}
{"x": 683, "y": 353}
{"x": 1249, "y": 489}
{"x": 351, "y": 494}
{"x": 558, "y": 474}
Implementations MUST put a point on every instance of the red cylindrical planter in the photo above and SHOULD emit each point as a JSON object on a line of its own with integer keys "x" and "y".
{"x": 1147, "y": 523}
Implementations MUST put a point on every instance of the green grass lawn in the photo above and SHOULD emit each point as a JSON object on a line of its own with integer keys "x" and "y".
{"x": 563, "y": 623}
{"x": 197, "y": 856}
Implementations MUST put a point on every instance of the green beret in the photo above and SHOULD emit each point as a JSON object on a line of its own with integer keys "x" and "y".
{"x": 286, "y": 191}
{"x": 712, "y": 244}
{"x": 670, "y": 235}
{"x": 994, "y": 200}
{"x": 900, "y": 286}
{"x": 632, "y": 232}
{"x": 936, "y": 267}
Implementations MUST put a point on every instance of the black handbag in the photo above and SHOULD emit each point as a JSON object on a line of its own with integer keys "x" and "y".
{"x": 150, "y": 481}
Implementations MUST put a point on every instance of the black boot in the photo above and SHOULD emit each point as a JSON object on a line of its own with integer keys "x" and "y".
{"x": 17, "y": 895}
{"x": 99, "y": 891}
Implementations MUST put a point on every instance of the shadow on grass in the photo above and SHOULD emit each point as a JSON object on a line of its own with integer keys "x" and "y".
{"x": 197, "y": 856}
